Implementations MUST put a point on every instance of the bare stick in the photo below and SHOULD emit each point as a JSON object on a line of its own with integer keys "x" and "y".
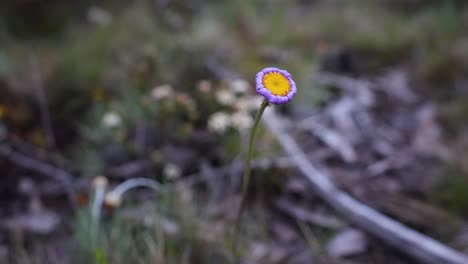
{"x": 42, "y": 100}
{"x": 397, "y": 235}
{"x": 58, "y": 174}
{"x": 130, "y": 169}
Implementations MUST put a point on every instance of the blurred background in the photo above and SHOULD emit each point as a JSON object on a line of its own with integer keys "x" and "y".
{"x": 95, "y": 95}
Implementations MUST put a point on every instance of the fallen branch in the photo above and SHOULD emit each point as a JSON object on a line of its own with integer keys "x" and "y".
{"x": 130, "y": 169}
{"x": 333, "y": 139}
{"x": 302, "y": 214}
{"x": 397, "y": 235}
{"x": 57, "y": 174}
{"x": 258, "y": 164}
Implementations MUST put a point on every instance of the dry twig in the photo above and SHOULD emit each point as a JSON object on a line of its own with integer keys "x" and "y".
{"x": 55, "y": 173}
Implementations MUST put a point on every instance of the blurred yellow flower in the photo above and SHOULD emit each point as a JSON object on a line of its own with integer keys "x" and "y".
{"x": 37, "y": 138}
{"x": 98, "y": 95}
{"x": 3, "y": 111}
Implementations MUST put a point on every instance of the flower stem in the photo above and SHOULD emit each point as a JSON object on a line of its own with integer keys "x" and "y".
{"x": 246, "y": 177}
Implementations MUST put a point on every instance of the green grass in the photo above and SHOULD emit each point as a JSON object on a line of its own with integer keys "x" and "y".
{"x": 452, "y": 191}
{"x": 139, "y": 233}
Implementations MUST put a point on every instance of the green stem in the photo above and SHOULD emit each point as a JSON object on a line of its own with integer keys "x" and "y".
{"x": 246, "y": 177}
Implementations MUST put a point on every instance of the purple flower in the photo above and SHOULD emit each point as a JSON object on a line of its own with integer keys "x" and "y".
{"x": 275, "y": 85}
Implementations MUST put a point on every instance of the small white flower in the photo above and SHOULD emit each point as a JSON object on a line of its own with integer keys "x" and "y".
{"x": 112, "y": 200}
{"x": 239, "y": 86}
{"x": 249, "y": 103}
{"x": 161, "y": 92}
{"x": 111, "y": 119}
{"x": 219, "y": 122}
{"x": 99, "y": 16}
{"x": 99, "y": 182}
{"x": 225, "y": 97}
{"x": 241, "y": 120}
{"x": 204, "y": 86}
{"x": 171, "y": 171}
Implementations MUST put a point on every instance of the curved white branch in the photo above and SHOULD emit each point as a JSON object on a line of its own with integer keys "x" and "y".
{"x": 133, "y": 183}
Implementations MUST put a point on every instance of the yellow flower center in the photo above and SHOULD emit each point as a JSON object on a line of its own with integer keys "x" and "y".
{"x": 276, "y": 83}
